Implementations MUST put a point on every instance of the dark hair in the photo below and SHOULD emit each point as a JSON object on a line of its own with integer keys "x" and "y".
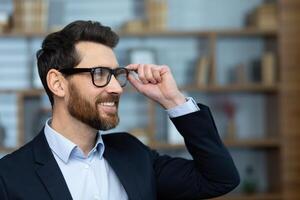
{"x": 58, "y": 48}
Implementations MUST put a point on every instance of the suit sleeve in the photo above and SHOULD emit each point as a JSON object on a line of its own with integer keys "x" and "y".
{"x": 211, "y": 173}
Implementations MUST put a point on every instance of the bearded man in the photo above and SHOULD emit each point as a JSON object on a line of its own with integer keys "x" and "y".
{"x": 71, "y": 159}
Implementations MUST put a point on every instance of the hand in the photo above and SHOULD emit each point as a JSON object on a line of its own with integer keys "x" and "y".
{"x": 157, "y": 83}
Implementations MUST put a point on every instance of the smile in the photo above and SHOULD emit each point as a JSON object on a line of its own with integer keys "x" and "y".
{"x": 108, "y": 104}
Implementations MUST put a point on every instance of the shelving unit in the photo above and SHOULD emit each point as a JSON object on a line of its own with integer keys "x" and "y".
{"x": 213, "y": 88}
{"x": 171, "y": 33}
{"x": 279, "y": 147}
{"x": 238, "y": 88}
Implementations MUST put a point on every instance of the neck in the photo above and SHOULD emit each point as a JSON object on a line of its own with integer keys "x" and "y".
{"x": 79, "y": 133}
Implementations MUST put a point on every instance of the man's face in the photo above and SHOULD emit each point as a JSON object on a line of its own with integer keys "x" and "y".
{"x": 96, "y": 107}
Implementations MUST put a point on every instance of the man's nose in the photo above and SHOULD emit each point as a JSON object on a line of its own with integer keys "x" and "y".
{"x": 114, "y": 86}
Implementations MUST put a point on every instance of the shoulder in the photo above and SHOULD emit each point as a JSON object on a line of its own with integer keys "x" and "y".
{"x": 17, "y": 159}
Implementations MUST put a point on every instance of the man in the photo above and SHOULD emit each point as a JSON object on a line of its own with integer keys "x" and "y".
{"x": 70, "y": 159}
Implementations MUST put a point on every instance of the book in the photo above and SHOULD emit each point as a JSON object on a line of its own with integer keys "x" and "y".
{"x": 156, "y": 14}
{"x": 264, "y": 17}
{"x": 268, "y": 68}
{"x": 202, "y": 71}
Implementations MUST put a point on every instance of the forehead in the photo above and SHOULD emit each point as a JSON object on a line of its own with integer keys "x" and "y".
{"x": 94, "y": 54}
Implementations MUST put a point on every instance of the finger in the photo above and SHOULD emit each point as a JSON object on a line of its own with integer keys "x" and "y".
{"x": 141, "y": 74}
{"x": 134, "y": 81}
{"x": 156, "y": 75}
{"x": 149, "y": 74}
{"x": 163, "y": 69}
{"x": 132, "y": 67}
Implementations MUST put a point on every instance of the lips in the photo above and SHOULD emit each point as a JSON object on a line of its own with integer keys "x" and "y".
{"x": 108, "y": 105}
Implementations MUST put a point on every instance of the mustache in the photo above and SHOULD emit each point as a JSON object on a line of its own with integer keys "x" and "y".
{"x": 112, "y": 98}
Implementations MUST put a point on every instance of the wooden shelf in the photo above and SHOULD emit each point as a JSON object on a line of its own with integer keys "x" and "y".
{"x": 237, "y": 32}
{"x": 8, "y": 91}
{"x": 267, "y": 196}
{"x": 25, "y": 92}
{"x": 32, "y": 92}
{"x": 248, "y": 143}
{"x": 253, "y": 88}
{"x": 23, "y": 35}
{"x": 202, "y": 33}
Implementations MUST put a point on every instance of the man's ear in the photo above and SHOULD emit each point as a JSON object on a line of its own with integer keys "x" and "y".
{"x": 56, "y": 83}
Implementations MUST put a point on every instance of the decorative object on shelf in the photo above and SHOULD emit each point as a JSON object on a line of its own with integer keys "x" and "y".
{"x": 2, "y": 134}
{"x": 4, "y": 21}
{"x": 255, "y": 71}
{"x": 156, "y": 11}
{"x": 241, "y": 74}
{"x": 155, "y": 18}
{"x": 229, "y": 109}
{"x": 202, "y": 71}
{"x": 264, "y": 16}
{"x": 142, "y": 55}
{"x": 133, "y": 26}
{"x": 238, "y": 74}
{"x": 30, "y": 16}
{"x": 249, "y": 185}
{"x": 140, "y": 134}
{"x": 268, "y": 68}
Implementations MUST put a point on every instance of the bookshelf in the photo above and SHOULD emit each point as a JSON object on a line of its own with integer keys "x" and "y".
{"x": 168, "y": 33}
{"x": 246, "y": 88}
{"x": 282, "y": 145}
{"x": 263, "y": 144}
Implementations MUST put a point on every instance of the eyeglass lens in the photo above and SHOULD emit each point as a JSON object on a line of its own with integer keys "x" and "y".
{"x": 102, "y": 76}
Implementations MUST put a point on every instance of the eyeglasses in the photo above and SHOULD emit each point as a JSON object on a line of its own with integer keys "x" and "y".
{"x": 101, "y": 75}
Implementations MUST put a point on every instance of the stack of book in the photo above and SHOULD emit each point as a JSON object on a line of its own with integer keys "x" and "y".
{"x": 268, "y": 67}
{"x": 264, "y": 17}
{"x": 203, "y": 71}
{"x": 136, "y": 25}
{"x": 156, "y": 11}
{"x": 30, "y": 16}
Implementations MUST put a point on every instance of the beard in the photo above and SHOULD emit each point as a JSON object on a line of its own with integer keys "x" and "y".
{"x": 89, "y": 114}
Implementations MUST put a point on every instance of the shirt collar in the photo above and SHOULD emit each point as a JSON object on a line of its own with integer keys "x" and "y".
{"x": 64, "y": 148}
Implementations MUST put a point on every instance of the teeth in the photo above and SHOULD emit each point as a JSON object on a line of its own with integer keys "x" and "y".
{"x": 107, "y": 103}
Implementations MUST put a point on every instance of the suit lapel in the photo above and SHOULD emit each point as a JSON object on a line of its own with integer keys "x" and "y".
{"x": 124, "y": 170}
{"x": 48, "y": 170}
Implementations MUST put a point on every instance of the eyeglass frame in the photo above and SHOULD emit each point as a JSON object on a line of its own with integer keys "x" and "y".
{"x": 72, "y": 71}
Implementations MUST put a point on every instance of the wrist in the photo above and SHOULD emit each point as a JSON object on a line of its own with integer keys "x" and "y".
{"x": 178, "y": 100}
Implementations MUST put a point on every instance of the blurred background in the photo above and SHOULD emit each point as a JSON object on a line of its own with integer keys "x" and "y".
{"x": 239, "y": 57}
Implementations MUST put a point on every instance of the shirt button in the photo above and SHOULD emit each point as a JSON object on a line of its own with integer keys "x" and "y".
{"x": 86, "y": 166}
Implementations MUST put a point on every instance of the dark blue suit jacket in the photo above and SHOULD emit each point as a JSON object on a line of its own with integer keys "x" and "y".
{"x": 31, "y": 173}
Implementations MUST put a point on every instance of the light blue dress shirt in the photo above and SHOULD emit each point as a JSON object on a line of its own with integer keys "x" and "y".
{"x": 91, "y": 177}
